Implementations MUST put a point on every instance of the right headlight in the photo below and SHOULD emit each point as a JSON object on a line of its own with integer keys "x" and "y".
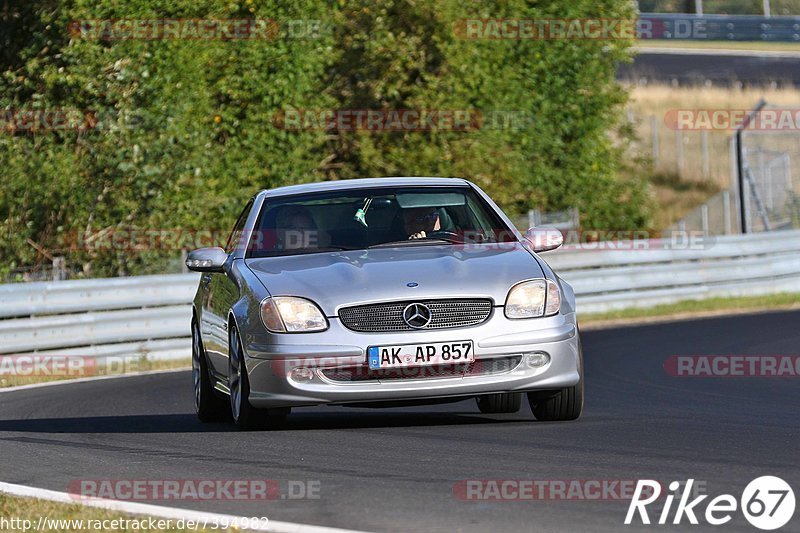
{"x": 289, "y": 314}
{"x": 533, "y": 299}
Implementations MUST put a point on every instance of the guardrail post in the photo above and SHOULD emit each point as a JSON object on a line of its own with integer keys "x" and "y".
{"x": 59, "y": 269}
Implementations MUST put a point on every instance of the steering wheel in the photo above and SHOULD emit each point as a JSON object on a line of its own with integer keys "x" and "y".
{"x": 444, "y": 234}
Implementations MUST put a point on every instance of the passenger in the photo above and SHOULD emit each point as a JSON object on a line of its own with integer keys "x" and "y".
{"x": 295, "y": 229}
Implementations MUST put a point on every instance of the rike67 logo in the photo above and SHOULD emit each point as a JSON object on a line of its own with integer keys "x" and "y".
{"x": 767, "y": 503}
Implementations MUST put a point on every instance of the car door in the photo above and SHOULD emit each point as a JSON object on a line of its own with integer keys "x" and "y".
{"x": 221, "y": 294}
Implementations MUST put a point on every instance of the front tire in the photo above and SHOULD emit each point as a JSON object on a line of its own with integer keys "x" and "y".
{"x": 560, "y": 405}
{"x": 505, "y": 402}
{"x": 245, "y": 416}
{"x": 207, "y": 405}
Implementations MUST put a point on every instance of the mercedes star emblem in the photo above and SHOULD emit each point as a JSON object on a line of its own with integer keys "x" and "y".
{"x": 417, "y": 315}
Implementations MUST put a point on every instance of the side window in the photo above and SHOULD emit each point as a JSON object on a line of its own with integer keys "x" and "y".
{"x": 238, "y": 229}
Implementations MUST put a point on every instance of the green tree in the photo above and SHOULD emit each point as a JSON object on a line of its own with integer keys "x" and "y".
{"x": 187, "y": 126}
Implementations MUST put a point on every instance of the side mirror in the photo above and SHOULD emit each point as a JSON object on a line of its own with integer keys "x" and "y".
{"x": 206, "y": 259}
{"x": 544, "y": 239}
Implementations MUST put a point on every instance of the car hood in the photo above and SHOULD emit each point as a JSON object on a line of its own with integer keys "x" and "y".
{"x": 337, "y": 279}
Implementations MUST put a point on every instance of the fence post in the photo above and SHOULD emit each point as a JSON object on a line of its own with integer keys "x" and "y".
{"x": 741, "y": 166}
{"x": 679, "y": 150}
{"x": 654, "y": 135}
{"x": 734, "y": 161}
{"x": 704, "y": 147}
{"x": 726, "y": 212}
{"x": 704, "y": 219}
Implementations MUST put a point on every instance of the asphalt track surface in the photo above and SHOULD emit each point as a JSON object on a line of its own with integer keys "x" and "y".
{"x": 395, "y": 470}
{"x": 723, "y": 70}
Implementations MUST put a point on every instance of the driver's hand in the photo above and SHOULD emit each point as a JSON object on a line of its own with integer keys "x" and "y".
{"x": 418, "y": 235}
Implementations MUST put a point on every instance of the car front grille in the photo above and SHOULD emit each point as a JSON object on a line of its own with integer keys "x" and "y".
{"x": 479, "y": 367}
{"x": 382, "y": 317}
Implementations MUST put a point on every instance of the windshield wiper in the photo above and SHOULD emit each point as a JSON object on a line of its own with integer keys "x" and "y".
{"x": 302, "y": 251}
{"x": 406, "y": 242}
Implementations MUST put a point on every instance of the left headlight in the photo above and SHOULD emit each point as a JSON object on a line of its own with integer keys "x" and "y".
{"x": 289, "y": 314}
{"x": 533, "y": 299}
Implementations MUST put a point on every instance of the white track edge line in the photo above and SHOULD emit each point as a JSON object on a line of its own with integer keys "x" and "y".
{"x": 173, "y": 513}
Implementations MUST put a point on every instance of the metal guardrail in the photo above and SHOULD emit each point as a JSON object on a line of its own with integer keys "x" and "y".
{"x": 149, "y": 315}
{"x": 143, "y": 315}
{"x": 627, "y": 277}
{"x": 659, "y": 26}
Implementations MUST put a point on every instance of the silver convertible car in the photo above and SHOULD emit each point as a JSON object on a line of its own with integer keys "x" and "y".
{"x": 378, "y": 293}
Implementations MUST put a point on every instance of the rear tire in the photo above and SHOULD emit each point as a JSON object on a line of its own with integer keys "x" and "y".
{"x": 245, "y": 416}
{"x": 207, "y": 405}
{"x": 560, "y": 405}
{"x": 505, "y": 402}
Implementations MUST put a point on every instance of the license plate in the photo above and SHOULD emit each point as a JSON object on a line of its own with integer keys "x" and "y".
{"x": 405, "y": 355}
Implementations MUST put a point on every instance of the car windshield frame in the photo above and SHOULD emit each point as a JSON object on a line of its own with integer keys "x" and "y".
{"x": 501, "y": 231}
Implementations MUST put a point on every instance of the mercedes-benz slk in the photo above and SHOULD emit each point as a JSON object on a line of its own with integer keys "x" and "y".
{"x": 381, "y": 292}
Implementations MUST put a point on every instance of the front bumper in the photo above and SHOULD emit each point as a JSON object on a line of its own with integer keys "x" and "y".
{"x": 270, "y": 358}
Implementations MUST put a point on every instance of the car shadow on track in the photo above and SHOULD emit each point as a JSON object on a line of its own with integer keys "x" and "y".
{"x": 188, "y": 423}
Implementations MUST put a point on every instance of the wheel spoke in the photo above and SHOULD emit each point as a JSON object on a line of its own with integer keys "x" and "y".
{"x": 235, "y": 376}
{"x": 196, "y": 367}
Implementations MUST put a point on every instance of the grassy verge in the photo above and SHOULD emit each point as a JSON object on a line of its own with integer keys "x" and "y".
{"x": 676, "y": 197}
{"x": 694, "y": 309}
{"x": 129, "y": 366}
{"x": 721, "y": 45}
{"x": 31, "y": 510}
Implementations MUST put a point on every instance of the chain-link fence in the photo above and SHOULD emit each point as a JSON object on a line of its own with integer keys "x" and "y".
{"x": 770, "y": 169}
{"x": 765, "y": 169}
{"x": 718, "y": 216}
{"x": 694, "y": 155}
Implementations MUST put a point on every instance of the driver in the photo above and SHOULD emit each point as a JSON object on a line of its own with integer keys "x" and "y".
{"x": 421, "y": 221}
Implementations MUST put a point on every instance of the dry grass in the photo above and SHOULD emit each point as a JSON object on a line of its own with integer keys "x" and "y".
{"x": 693, "y": 309}
{"x": 31, "y": 509}
{"x": 679, "y": 188}
{"x": 138, "y": 365}
{"x": 720, "y": 45}
{"x": 652, "y": 103}
{"x": 675, "y": 198}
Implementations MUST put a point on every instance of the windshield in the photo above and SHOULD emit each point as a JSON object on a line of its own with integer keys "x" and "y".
{"x": 367, "y": 218}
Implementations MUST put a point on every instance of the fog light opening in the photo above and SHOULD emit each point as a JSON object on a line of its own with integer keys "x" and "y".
{"x": 537, "y": 359}
{"x": 301, "y": 374}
